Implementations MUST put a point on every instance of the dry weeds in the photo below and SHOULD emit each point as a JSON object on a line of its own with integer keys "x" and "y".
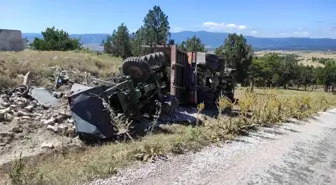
{"x": 42, "y": 65}
{"x": 306, "y": 57}
{"x": 260, "y": 108}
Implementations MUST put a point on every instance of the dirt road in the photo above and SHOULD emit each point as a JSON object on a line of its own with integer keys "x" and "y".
{"x": 290, "y": 154}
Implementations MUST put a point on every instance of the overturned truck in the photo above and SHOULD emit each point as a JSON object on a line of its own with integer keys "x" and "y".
{"x": 148, "y": 87}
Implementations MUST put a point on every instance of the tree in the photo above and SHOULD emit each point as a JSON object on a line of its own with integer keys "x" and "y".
{"x": 318, "y": 75}
{"x": 192, "y": 44}
{"x": 118, "y": 44}
{"x": 305, "y": 76}
{"x": 156, "y": 26}
{"x": 257, "y": 73}
{"x": 238, "y": 54}
{"x": 329, "y": 75}
{"x": 288, "y": 69}
{"x": 55, "y": 40}
{"x": 137, "y": 39}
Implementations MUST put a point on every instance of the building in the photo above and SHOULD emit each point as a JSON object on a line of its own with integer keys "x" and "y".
{"x": 11, "y": 40}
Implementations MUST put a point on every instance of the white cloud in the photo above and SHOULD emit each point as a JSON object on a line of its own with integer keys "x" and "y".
{"x": 253, "y": 32}
{"x": 295, "y": 34}
{"x": 284, "y": 34}
{"x": 213, "y": 26}
{"x": 301, "y": 33}
{"x": 176, "y": 28}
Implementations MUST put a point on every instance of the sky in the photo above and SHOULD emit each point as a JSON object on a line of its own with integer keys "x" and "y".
{"x": 261, "y": 18}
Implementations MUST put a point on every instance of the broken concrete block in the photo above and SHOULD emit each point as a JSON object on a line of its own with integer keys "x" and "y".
{"x": 66, "y": 114}
{"x": 5, "y": 104}
{"x": 13, "y": 107}
{"x": 71, "y": 132}
{"x": 46, "y": 106}
{"x": 54, "y": 128}
{"x": 24, "y": 100}
{"x": 47, "y": 145}
{"x": 38, "y": 114}
{"x": 59, "y": 119}
{"x": 34, "y": 103}
{"x": 21, "y": 113}
{"x": 29, "y": 108}
{"x": 62, "y": 128}
{"x": 37, "y": 118}
{"x": 43, "y": 96}
{"x": 12, "y": 99}
{"x": 57, "y": 94}
{"x": 3, "y": 112}
{"x": 69, "y": 120}
{"x": 8, "y": 117}
{"x": 9, "y": 109}
{"x": 51, "y": 128}
{"x": 25, "y": 117}
{"x": 50, "y": 121}
{"x": 16, "y": 129}
{"x": 20, "y": 104}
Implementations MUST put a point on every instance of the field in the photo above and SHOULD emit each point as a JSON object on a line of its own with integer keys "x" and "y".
{"x": 305, "y": 57}
{"x": 43, "y": 65}
{"x": 263, "y": 107}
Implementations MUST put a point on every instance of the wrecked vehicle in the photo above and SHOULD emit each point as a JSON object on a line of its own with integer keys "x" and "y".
{"x": 148, "y": 87}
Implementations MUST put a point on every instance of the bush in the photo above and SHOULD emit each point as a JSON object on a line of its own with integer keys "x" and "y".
{"x": 55, "y": 40}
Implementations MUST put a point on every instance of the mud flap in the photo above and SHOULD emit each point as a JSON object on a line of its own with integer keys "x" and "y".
{"x": 92, "y": 120}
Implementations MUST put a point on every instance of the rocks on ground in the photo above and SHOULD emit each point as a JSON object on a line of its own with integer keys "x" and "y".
{"x": 26, "y": 111}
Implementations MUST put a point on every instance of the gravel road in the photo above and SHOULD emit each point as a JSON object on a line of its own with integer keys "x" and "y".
{"x": 291, "y": 154}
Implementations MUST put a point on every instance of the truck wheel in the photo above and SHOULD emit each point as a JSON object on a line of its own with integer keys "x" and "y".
{"x": 155, "y": 60}
{"x": 137, "y": 69}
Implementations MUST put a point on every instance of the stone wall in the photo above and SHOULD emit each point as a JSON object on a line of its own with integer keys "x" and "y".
{"x": 11, "y": 40}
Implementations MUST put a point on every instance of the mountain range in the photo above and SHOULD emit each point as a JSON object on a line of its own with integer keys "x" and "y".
{"x": 214, "y": 39}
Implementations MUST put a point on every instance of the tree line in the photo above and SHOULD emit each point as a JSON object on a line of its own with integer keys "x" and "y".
{"x": 274, "y": 70}
{"x": 270, "y": 70}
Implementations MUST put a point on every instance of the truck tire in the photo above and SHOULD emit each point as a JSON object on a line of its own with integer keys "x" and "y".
{"x": 211, "y": 62}
{"x": 137, "y": 69}
{"x": 155, "y": 60}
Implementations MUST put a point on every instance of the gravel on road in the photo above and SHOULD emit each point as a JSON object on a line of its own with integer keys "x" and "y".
{"x": 294, "y": 153}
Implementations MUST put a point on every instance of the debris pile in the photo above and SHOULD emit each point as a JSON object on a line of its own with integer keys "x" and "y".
{"x": 24, "y": 110}
{"x": 180, "y": 114}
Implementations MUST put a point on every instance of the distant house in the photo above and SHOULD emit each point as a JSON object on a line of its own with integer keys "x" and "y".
{"x": 11, "y": 40}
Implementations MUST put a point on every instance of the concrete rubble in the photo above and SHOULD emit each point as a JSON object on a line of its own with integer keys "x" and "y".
{"x": 25, "y": 109}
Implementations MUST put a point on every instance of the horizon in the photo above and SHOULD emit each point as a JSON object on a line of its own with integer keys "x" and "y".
{"x": 258, "y": 18}
{"x": 198, "y": 32}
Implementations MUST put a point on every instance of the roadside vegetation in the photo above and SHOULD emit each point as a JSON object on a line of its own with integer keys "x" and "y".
{"x": 259, "y": 108}
{"x": 264, "y": 100}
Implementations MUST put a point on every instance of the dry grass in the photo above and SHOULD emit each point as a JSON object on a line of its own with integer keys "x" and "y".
{"x": 305, "y": 56}
{"x": 42, "y": 65}
{"x": 263, "y": 107}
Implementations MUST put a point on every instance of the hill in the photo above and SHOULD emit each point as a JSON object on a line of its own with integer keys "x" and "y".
{"x": 213, "y": 40}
